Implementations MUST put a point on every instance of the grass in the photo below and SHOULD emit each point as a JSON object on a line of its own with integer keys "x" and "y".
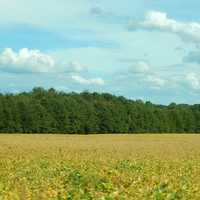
{"x": 100, "y": 167}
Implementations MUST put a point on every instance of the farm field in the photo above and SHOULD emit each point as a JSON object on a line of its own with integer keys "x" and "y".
{"x": 99, "y": 167}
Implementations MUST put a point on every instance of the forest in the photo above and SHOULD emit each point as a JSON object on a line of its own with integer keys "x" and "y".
{"x": 51, "y": 111}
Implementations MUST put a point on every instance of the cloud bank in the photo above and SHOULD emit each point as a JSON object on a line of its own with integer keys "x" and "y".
{"x": 83, "y": 81}
{"x": 155, "y": 20}
{"x": 26, "y": 60}
{"x": 193, "y": 80}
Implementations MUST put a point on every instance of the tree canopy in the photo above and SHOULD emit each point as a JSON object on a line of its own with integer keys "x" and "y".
{"x": 50, "y": 111}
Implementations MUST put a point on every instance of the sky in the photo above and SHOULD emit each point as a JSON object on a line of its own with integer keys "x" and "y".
{"x": 141, "y": 49}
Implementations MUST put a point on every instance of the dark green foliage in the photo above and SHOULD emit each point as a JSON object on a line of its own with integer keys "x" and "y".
{"x": 49, "y": 111}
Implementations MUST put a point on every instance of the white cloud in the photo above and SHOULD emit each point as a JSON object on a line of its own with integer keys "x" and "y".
{"x": 155, "y": 20}
{"x": 155, "y": 81}
{"x": 26, "y": 60}
{"x": 193, "y": 80}
{"x": 34, "y": 61}
{"x": 83, "y": 81}
{"x": 76, "y": 66}
{"x": 139, "y": 67}
{"x": 143, "y": 75}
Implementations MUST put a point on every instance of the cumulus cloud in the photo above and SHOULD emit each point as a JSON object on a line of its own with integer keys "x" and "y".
{"x": 76, "y": 66}
{"x": 139, "y": 67}
{"x": 193, "y": 80}
{"x": 26, "y": 60}
{"x": 143, "y": 74}
{"x": 34, "y": 61}
{"x": 154, "y": 20}
{"x": 155, "y": 81}
{"x": 83, "y": 81}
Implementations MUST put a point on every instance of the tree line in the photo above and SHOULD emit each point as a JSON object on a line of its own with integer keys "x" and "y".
{"x": 50, "y": 111}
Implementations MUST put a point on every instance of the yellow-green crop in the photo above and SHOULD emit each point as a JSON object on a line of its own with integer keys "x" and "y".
{"x": 99, "y": 167}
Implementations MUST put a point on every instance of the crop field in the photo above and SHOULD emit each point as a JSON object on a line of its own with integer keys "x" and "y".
{"x": 99, "y": 167}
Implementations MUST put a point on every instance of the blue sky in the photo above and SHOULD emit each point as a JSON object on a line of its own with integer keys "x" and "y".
{"x": 142, "y": 49}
